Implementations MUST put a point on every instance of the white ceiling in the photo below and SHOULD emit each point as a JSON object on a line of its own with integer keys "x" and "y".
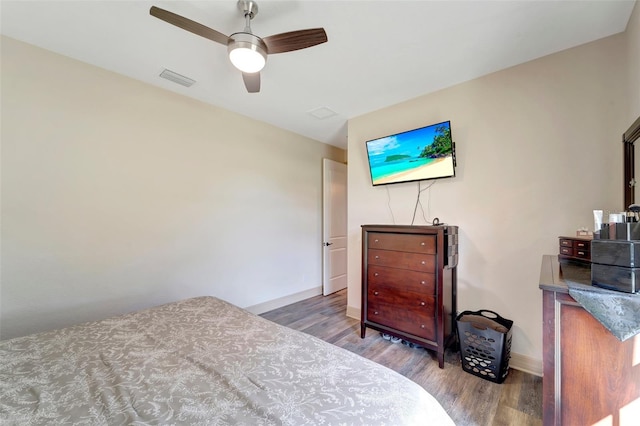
{"x": 379, "y": 52}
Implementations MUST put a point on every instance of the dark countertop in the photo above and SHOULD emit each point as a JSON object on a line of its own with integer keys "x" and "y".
{"x": 618, "y": 312}
{"x": 554, "y": 276}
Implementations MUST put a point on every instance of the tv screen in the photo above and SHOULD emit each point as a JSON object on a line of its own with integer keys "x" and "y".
{"x": 419, "y": 154}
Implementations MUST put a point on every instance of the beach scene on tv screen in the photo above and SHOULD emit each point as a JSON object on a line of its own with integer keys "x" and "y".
{"x": 419, "y": 154}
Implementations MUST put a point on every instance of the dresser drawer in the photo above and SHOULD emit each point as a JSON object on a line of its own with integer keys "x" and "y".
{"x": 410, "y": 319}
{"x": 383, "y": 295}
{"x": 411, "y": 281}
{"x": 403, "y": 242}
{"x": 402, "y": 260}
{"x": 565, "y": 242}
{"x": 582, "y": 245}
{"x": 567, "y": 251}
{"x": 583, "y": 254}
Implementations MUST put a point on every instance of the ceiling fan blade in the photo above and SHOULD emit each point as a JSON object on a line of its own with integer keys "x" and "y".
{"x": 189, "y": 25}
{"x": 251, "y": 81}
{"x": 294, "y": 40}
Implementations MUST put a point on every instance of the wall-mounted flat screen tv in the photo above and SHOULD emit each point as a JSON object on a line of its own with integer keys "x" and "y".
{"x": 420, "y": 154}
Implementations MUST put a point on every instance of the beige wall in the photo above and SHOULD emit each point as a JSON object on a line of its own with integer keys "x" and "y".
{"x": 633, "y": 41}
{"x": 117, "y": 195}
{"x": 538, "y": 149}
{"x": 633, "y": 48}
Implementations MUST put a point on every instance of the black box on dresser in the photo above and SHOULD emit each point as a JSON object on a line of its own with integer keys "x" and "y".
{"x": 615, "y": 264}
{"x": 615, "y": 257}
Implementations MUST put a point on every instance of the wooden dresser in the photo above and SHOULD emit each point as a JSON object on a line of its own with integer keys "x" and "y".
{"x": 575, "y": 248}
{"x": 409, "y": 283}
{"x": 590, "y": 377}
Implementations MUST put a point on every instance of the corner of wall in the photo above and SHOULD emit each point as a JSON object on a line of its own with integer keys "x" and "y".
{"x": 354, "y": 313}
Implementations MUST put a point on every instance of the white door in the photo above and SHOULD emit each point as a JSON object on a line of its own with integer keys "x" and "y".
{"x": 334, "y": 218}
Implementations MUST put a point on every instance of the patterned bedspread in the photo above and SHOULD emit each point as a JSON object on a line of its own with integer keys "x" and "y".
{"x": 199, "y": 361}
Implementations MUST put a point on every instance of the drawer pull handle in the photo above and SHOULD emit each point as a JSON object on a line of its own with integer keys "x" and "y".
{"x": 423, "y": 262}
{"x": 422, "y": 243}
{"x": 581, "y": 253}
{"x": 422, "y": 282}
{"x": 375, "y": 241}
{"x": 422, "y": 303}
{"x": 377, "y": 257}
{"x": 375, "y": 293}
{"x": 375, "y": 313}
{"x": 422, "y": 326}
{"x": 375, "y": 274}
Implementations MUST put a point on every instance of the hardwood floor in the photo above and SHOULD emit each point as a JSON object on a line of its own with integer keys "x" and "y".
{"x": 468, "y": 399}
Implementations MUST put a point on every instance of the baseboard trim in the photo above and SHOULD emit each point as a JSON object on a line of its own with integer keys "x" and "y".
{"x": 518, "y": 361}
{"x": 261, "y": 308}
{"x": 526, "y": 363}
{"x": 353, "y": 312}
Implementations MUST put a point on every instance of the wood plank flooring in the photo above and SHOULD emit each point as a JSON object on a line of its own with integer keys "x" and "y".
{"x": 469, "y": 400}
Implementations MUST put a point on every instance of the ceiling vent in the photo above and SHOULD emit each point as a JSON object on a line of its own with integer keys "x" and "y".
{"x": 322, "y": 112}
{"x": 177, "y": 78}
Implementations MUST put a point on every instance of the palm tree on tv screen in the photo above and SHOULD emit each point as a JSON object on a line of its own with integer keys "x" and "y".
{"x": 441, "y": 146}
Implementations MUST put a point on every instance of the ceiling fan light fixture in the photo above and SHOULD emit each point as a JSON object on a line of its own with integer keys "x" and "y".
{"x": 247, "y": 52}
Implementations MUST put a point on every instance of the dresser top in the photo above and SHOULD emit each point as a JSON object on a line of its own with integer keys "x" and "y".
{"x": 581, "y": 238}
{"x": 618, "y": 312}
{"x": 553, "y": 274}
{"x": 447, "y": 229}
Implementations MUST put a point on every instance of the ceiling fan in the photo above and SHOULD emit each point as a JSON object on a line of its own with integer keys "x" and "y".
{"x": 247, "y": 51}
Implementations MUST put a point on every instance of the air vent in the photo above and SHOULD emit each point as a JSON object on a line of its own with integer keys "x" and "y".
{"x": 322, "y": 112}
{"x": 177, "y": 78}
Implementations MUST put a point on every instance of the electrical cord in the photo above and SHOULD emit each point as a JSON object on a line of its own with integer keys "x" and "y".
{"x": 389, "y": 204}
{"x": 428, "y": 203}
{"x": 418, "y": 202}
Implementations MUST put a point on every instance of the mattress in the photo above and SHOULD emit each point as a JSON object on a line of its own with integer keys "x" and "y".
{"x": 200, "y": 361}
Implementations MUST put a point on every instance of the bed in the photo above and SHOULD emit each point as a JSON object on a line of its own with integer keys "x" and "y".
{"x": 200, "y": 361}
